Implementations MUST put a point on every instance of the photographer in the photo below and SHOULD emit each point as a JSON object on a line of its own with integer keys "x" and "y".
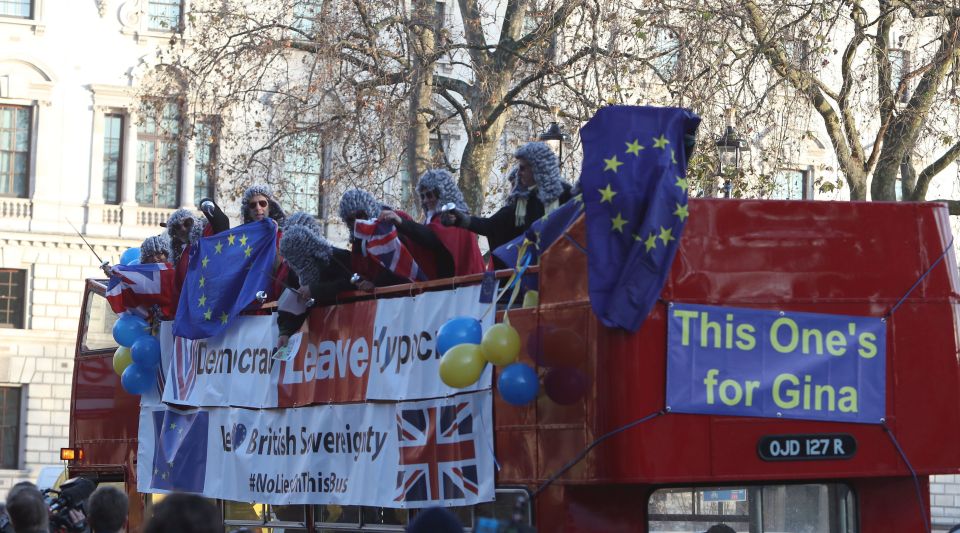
{"x": 107, "y": 510}
{"x": 26, "y": 508}
{"x": 67, "y": 505}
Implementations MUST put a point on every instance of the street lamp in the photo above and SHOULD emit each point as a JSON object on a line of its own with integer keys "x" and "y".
{"x": 730, "y": 148}
{"x": 554, "y": 138}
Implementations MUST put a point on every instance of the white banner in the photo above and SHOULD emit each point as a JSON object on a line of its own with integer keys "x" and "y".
{"x": 409, "y": 454}
{"x": 370, "y": 350}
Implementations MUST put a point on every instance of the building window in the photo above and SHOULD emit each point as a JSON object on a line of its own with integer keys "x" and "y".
{"x": 205, "y": 176}
{"x": 665, "y": 52}
{"x": 14, "y": 150}
{"x": 158, "y": 154}
{"x": 303, "y": 173}
{"x": 164, "y": 15}
{"x": 112, "y": 157}
{"x": 16, "y": 8}
{"x": 10, "y": 428}
{"x": 13, "y": 291}
{"x": 305, "y": 16}
{"x": 790, "y": 184}
{"x": 899, "y": 68}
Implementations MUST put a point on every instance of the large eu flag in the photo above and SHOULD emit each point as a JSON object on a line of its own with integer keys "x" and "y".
{"x": 225, "y": 272}
{"x": 180, "y": 450}
{"x": 635, "y": 193}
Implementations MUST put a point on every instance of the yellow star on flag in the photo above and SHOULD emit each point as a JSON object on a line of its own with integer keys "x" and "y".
{"x": 660, "y": 142}
{"x": 682, "y": 183}
{"x": 223, "y": 318}
{"x": 637, "y": 237}
{"x": 203, "y": 281}
{"x": 219, "y": 246}
{"x": 651, "y": 241}
{"x": 230, "y": 239}
{"x": 246, "y": 251}
{"x": 673, "y": 157}
{"x": 618, "y": 223}
{"x": 607, "y": 194}
{"x": 173, "y": 425}
{"x": 203, "y": 300}
{"x": 634, "y": 147}
{"x": 208, "y": 314}
{"x": 666, "y": 235}
{"x": 612, "y": 164}
{"x": 205, "y": 261}
{"x": 243, "y": 240}
{"x": 682, "y": 212}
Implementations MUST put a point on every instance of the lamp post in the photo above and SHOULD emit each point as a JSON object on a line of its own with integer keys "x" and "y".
{"x": 730, "y": 148}
{"x": 554, "y": 137}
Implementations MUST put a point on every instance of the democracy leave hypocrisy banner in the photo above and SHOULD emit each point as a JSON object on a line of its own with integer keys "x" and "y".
{"x": 778, "y": 364}
{"x": 371, "y": 350}
{"x": 402, "y": 455}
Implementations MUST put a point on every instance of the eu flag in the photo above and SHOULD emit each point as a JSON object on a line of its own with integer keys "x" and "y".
{"x": 635, "y": 193}
{"x": 180, "y": 450}
{"x": 225, "y": 272}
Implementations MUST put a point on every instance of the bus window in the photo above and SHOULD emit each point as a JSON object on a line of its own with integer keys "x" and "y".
{"x": 809, "y": 508}
{"x": 264, "y": 518}
{"x": 98, "y": 319}
{"x": 510, "y": 504}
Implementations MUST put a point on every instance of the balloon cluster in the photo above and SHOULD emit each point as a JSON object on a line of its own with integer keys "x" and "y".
{"x": 562, "y": 352}
{"x": 466, "y": 350}
{"x": 137, "y": 358}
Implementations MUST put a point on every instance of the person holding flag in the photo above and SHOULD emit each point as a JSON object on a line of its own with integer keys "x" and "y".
{"x": 454, "y": 250}
{"x": 539, "y": 191}
{"x": 378, "y": 254}
{"x": 259, "y": 204}
{"x": 154, "y": 249}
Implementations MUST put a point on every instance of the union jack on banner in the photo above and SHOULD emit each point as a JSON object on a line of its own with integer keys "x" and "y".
{"x": 381, "y": 240}
{"x": 139, "y": 287}
{"x": 183, "y": 368}
{"x": 438, "y": 459}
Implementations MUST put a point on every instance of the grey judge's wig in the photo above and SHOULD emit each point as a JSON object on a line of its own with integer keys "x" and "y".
{"x": 274, "y": 210}
{"x": 546, "y": 170}
{"x": 445, "y": 186}
{"x": 356, "y": 200}
{"x": 306, "y": 251}
{"x": 177, "y": 218}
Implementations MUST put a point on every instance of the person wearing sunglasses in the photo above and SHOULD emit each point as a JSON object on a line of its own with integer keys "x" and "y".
{"x": 452, "y": 251}
{"x": 258, "y": 203}
{"x": 539, "y": 190}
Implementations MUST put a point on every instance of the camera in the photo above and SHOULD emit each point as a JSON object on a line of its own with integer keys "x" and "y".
{"x": 72, "y": 496}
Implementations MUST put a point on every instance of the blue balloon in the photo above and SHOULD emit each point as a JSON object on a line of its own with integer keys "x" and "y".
{"x": 128, "y": 328}
{"x": 518, "y": 384}
{"x": 129, "y": 255}
{"x": 134, "y": 262}
{"x": 458, "y": 330}
{"x": 146, "y": 351}
{"x": 137, "y": 380}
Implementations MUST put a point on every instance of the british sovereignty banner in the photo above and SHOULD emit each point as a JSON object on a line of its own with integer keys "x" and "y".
{"x": 370, "y": 350}
{"x": 405, "y": 455}
{"x": 753, "y": 362}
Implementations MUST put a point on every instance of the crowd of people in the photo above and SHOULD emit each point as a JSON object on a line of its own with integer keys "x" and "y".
{"x": 443, "y": 243}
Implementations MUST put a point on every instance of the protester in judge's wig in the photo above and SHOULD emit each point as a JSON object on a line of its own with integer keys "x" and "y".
{"x": 358, "y": 204}
{"x": 321, "y": 270}
{"x": 258, "y": 203}
{"x": 155, "y": 249}
{"x": 446, "y": 250}
{"x": 539, "y": 192}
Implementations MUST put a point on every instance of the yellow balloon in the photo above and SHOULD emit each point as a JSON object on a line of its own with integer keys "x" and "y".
{"x": 501, "y": 344}
{"x": 121, "y": 359}
{"x": 531, "y": 299}
{"x": 462, "y": 365}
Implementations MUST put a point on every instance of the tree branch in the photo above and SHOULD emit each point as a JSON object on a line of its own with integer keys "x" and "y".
{"x": 927, "y": 174}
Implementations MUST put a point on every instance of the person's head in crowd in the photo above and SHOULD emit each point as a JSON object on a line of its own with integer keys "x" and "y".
{"x": 184, "y": 513}
{"x": 537, "y": 166}
{"x": 27, "y": 509}
{"x": 258, "y": 203}
{"x": 358, "y": 204}
{"x": 437, "y": 188}
{"x": 107, "y": 510}
{"x": 435, "y": 520}
{"x": 306, "y": 251}
{"x": 155, "y": 249}
{"x": 302, "y": 218}
{"x": 721, "y": 528}
{"x": 183, "y": 227}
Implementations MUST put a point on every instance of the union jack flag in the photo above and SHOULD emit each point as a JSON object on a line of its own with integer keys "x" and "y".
{"x": 139, "y": 287}
{"x": 183, "y": 368}
{"x": 382, "y": 242}
{"x": 438, "y": 459}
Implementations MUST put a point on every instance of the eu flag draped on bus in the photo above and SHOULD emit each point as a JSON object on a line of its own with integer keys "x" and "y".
{"x": 225, "y": 272}
{"x": 541, "y": 234}
{"x": 180, "y": 453}
{"x": 635, "y": 193}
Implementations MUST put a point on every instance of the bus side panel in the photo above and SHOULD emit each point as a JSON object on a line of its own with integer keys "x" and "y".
{"x": 890, "y": 504}
{"x": 590, "y": 508}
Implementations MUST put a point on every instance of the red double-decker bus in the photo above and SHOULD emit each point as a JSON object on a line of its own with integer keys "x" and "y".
{"x": 617, "y": 459}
